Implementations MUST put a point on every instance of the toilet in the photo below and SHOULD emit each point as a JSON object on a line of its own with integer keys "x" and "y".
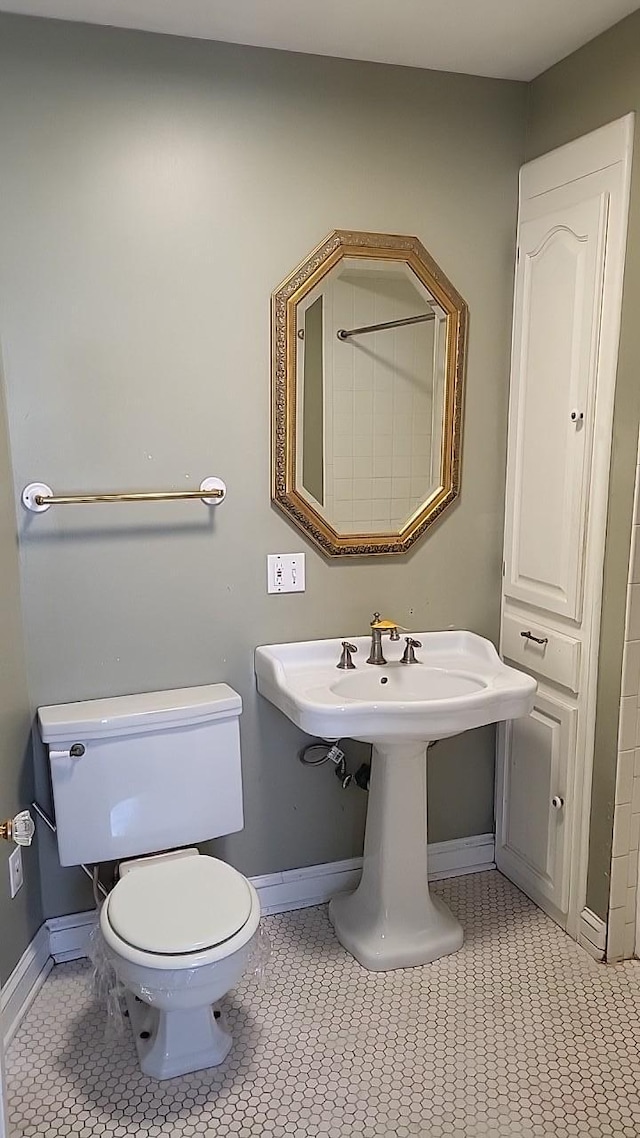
{"x": 136, "y": 779}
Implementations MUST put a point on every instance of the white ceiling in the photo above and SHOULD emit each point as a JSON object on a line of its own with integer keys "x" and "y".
{"x": 508, "y": 39}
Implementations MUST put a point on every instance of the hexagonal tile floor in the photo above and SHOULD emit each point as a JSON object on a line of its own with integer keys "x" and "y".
{"x": 519, "y": 1034}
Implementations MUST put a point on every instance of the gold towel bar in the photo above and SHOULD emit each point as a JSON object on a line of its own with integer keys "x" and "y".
{"x": 38, "y": 497}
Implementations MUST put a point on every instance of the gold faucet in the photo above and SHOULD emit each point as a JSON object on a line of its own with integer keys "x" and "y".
{"x": 378, "y": 627}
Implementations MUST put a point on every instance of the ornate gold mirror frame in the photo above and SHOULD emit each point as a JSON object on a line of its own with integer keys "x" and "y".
{"x": 285, "y": 444}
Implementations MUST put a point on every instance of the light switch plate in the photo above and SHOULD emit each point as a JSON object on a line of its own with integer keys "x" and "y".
{"x": 285, "y": 573}
{"x": 16, "y": 878}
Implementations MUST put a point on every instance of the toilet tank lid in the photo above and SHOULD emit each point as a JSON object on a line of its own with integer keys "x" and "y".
{"x": 148, "y": 711}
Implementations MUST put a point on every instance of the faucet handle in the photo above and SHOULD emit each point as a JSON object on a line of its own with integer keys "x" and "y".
{"x": 389, "y": 626}
{"x": 345, "y": 658}
{"x": 409, "y": 656}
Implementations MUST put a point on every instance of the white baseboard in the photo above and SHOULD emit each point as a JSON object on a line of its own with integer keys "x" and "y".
{"x": 67, "y": 938}
{"x": 592, "y": 934}
{"x": 24, "y": 984}
{"x": 463, "y": 855}
{"x": 316, "y": 884}
{"x": 311, "y": 885}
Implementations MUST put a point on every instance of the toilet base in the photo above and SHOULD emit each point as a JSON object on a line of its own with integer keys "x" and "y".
{"x": 172, "y": 1043}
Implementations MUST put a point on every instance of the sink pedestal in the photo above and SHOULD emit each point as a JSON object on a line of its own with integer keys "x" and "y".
{"x": 391, "y": 920}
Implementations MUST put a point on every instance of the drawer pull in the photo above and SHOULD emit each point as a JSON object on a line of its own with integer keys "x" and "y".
{"x": 557, "y": 802}
{"x": 536, "y": 639}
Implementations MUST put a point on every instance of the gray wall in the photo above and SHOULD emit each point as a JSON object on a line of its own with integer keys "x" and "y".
{"x": 154, "y": 191}
{"x": 599, "y": 83}
{"x": 20, "y": 917}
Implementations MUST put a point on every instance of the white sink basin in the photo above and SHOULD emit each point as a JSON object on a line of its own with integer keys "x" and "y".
{"x": 415, "y": 684}
{"x": 391, "y": 921}
{"x": 459, "y": 683}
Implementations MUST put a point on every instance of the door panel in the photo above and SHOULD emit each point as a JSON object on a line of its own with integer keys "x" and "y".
{"x": 534, "y": 811}
{"x": 558, "y": 299}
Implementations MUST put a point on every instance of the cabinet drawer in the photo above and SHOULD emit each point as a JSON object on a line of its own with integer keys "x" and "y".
{"x": 557, "y": 658}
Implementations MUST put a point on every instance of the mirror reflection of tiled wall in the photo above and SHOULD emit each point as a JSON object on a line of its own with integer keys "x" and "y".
{"x": 382, "y": 401}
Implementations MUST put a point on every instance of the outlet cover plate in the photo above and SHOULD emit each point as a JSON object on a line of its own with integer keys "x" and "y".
{"x": 285, "y": 573}
{"x": 16, "y": 878}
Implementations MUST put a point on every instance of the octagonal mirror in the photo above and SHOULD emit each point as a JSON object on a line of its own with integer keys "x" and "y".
{"x": 368, "y": 362}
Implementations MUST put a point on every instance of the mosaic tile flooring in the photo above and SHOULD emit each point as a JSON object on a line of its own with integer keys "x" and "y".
{"x": 519, "y": 1034}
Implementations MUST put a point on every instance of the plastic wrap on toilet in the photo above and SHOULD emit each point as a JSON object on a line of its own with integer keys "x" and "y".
{"x": 110, "y": 991}
{"x": 107, "y": 988}
{"x": 259, "y": 956}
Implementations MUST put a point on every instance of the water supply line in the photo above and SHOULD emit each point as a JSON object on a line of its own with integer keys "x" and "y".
{"x": 330, "y": 753}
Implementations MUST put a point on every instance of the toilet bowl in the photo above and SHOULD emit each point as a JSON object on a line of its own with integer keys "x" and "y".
{"x": 178, "y": 930}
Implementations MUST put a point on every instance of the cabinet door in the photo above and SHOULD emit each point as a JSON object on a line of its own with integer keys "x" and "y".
{"x": 534, "y": 814}
{"x": 558, "y": 296}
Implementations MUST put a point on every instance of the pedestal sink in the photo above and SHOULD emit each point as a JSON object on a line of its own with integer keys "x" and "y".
{"x": 391, "y": 920}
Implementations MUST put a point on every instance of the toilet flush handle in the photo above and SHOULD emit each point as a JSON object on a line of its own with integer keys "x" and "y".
{"x": 76, "y": 751}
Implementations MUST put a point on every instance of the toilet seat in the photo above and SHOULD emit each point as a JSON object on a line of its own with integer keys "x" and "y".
{"x": 182, "y": 905}
{"x": 183, "y": 913}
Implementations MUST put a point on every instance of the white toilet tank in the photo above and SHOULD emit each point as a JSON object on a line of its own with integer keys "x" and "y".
{"x": 150, "y": 772}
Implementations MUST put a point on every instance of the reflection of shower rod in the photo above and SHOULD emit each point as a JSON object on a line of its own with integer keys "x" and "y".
{"x": 343, "y": 333}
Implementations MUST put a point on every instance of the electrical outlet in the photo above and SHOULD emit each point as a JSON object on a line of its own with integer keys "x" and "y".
{"x": 285, "y": 573}
{"x": 16, "y": 878}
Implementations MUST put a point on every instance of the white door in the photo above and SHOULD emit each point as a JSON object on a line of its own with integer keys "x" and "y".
{"x": 557, "y": 312}
{"x": 534, "y": 810}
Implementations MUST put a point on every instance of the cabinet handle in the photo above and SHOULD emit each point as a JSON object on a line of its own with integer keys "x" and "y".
{"x": 536, "y": 639}
{"x": 577, "y": 416}
{"x": 557, "y": 802}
